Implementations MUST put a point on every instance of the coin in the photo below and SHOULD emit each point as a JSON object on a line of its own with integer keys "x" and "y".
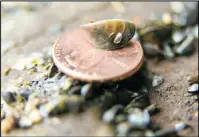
{"x": 77, "y": 57}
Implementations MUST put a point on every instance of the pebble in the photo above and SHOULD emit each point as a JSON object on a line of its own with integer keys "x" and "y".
{"x": 139, "y": 119}
{"x": 7, "y": 125}
{"x": 86, "y": 90}
{"x": 35, "y": 116}
{"x": 193, "y": 79}
{"x": 178, "y": 36}
{"x": 149, "y": 133}
{"x": 2, "y": 114}
{"x": 67, "y": 84}
{"x": 186, "y": 47}
{"x": 123, "y": 128}
{"x": 6, "y": 71}
{"x": 167, "y": 18}
{"x": 157, "y": 81}
{"x": 168, "y": 53}
{"x": 25, "y": 122}
{"x": 195, "y": 31}
{"x": 188, "y": 116}
{"x": 151, "y": 49}
{"x": 193, "y": 88}
{"x": 180, "y": 126}
{"x": 120, "y": 118}
{"x": 25, "y": 92}
{"x": 110, "y": 114}
{"x": 8, "y": 96}
{"x": 31, "y": 105}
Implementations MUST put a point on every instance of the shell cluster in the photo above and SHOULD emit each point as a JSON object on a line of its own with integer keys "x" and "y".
{"x": 110, "y": 34}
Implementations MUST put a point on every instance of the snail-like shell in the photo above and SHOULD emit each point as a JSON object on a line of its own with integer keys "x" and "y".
{"x": 110, "y": 34}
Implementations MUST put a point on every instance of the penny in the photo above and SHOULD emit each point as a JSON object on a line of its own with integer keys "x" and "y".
{"x": 77, "y": 57}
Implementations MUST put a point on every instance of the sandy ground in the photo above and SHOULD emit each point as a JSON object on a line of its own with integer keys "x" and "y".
{"x": 30, "y": 30}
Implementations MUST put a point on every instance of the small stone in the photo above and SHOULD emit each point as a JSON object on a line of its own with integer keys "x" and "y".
{"x": 25, "y": 122}
{"x": 8, "y": 96}
{"x": 2, "y": 114}
{"x": 7, "y": 125}
{"x": 157, "y": 80}
{"x": 178, "y": 36}
{"x": 149, "y": 133}
{"x": 25, "y": 92}
{"x": 86, "y": 90}
{"x": 195, "y": 31}
{"x": 152, "y": 49}
{"x": 139, "y": 119}
{"x": 35, "y": 116}
{"x": 188, "y": 116}
{"x": 180, "y": 126}
{"x": 6, "y": 71}
{"x": 166, "y": 18}
{"x": 31, "y": 105}
{"x": 168, "y": 53}
{"x": 120, "y": 118}
{"x": 193, "y": 79}
{"x": 186, "y": 47}
{"x": 193, "y": 88}
{"x": 110, "y": 114}
{"x": 123, "y": 128}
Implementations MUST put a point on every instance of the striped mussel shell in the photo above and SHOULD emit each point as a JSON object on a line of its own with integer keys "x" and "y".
{"x": 110, "y": 34}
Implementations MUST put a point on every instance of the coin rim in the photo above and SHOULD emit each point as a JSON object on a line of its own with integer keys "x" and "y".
{"x": 88, "y": 78}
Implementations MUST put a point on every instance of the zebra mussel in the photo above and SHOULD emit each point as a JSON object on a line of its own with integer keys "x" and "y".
{"x": 110, "y": 34}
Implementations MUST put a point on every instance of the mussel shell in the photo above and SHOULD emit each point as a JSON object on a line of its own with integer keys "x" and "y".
{"x": 155, "y": 32}
{"x": 104, "y": 32}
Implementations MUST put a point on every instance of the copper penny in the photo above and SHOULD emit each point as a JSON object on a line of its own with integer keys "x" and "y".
{"x": 75, "y": 55}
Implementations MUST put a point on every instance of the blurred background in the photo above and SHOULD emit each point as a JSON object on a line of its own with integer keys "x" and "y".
{"x": 28, "y": 27}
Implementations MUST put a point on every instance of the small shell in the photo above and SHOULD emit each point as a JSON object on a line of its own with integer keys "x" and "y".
{"x": 110, "y": 34}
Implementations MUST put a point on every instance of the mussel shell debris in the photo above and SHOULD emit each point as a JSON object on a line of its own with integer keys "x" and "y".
{"x": 178, "y": 36}
{"x": 186, "y": 47}
{"x": 110, "y": 34}
{"x": 152, "y": 49}
{"x": 168, "y": 52}
{"x": 155, "y": 32}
